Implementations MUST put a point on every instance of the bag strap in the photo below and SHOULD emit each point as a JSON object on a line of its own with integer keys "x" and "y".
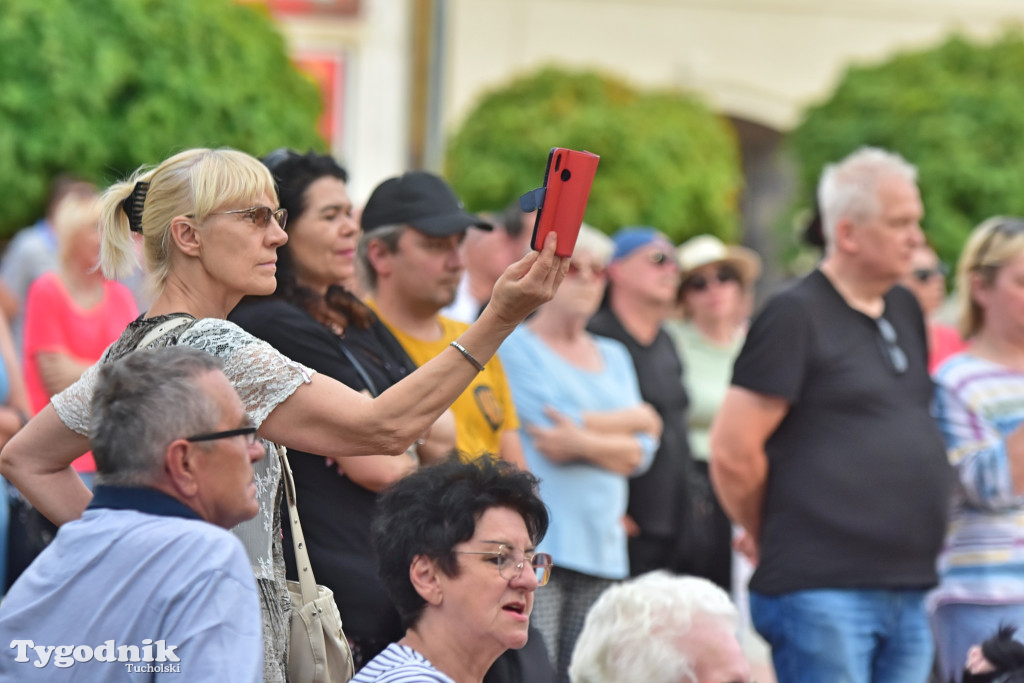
{"x": 360, "y": 370}
{"x": 163, "y": 328}
{"x": 307, "y": 584}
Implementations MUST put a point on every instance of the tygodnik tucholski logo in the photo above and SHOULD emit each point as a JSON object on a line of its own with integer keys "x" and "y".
{"x": 153, "y": 656}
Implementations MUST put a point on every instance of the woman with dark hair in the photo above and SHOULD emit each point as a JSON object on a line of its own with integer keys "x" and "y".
{"x": 457, "y": 548}
{"x": 314, "y": 320}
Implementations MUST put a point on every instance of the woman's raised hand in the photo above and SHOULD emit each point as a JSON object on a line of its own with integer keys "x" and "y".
{"x": 527, "y": 283}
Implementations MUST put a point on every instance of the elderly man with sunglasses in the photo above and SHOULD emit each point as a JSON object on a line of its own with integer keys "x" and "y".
{"x": 824, "y": 449}
{"x": 643, "y": 279}
{"x": 149, "y": 581}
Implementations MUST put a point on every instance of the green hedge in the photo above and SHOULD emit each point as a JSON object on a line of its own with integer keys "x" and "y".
{"x": 99, "y": 87}
{"x": 955, "y": 111}
{"x": 666, "y": 159}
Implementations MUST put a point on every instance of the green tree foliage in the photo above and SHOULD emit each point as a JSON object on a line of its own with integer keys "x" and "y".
{"x": 666, "y": 160}
{"x": 955, "y": 111}
{"x": 100, "y": 87}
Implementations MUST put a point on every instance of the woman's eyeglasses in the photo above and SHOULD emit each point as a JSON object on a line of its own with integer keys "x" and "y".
{"x": 700, "y": 282}
{"x": 511, "y": 563}
{"x": 259, "y": 215}
{"x": 890, "y": 348}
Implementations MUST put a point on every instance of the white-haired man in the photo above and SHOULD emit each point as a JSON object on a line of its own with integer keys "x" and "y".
{"x": 824, "y": 450}
{"x": 660, "y": 627}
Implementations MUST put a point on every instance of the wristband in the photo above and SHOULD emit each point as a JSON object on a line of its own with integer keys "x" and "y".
{"x": 462, "y": 349}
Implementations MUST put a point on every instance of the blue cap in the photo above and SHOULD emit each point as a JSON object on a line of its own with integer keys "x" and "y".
{"x": 628, "y": 240}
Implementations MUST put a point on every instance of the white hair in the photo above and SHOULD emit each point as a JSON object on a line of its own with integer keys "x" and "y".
{"x": 636, "y": 629}
{"x": 849, "y": 188}
{"x": 594, "y": 242}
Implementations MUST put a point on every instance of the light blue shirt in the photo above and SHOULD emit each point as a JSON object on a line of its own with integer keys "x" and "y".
{"x": 141, "y": 570}
{"x": 587, "y": 502}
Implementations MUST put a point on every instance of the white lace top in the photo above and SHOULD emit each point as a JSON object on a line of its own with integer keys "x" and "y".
{"x": 263, "y": 378}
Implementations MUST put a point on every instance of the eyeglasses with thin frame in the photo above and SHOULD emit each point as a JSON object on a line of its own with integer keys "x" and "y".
{"x": 700, "y": 282}
{"x": 259, "y": 215}
{"x": 248, "y": 432}
{"x": 511, "y": 563}
{"x": 890, "y": 347}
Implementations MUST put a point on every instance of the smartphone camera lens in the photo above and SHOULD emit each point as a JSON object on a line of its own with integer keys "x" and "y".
{"x": 566, "y": 175}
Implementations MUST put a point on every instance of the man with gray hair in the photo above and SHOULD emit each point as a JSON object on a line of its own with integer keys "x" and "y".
{"x": 659, "y": 627}
{"x": 824, "y": 449}
{"x": 149, "y": 580}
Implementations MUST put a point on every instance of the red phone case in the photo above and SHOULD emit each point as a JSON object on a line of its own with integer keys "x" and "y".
{"x": 567, "y": 182}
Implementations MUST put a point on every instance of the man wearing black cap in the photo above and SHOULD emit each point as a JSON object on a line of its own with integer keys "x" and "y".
{"x": 409, "y": 254}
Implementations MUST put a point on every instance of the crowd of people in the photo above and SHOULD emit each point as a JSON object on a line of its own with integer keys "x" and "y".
{"x": 618, "y": 428}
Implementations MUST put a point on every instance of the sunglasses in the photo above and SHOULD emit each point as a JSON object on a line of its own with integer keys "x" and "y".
{"x": 660, "y": 258}
{"x": 259, "y": 215}
{"x": 595, "y": 269}
{"x": 923, "y": 275}
{"x": 700, "y": 283}
{"x": 890, "y": 348}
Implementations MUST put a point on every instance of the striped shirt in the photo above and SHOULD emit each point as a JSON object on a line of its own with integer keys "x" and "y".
{"x": 400, "y": 664}
{"x": 978, "y": 403}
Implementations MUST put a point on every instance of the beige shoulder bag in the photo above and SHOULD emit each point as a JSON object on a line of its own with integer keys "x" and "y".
{"x": 318, "y": 651}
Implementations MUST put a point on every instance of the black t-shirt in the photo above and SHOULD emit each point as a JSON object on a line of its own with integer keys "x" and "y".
{"x": 335, "y": 512}
{"x": 658, "y": 498}
{"x": 858, "y": 483}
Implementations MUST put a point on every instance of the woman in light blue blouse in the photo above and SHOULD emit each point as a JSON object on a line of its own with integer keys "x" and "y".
{"x": 979, "y": 404}
{"x": 585, "y": 431}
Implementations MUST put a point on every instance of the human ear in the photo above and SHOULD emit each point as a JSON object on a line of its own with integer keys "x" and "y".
{"x": 185, "y": 235}
{"x": 181, "y": 467}
{"x": 379, "y": 256}
{"x": 423, "y": 574}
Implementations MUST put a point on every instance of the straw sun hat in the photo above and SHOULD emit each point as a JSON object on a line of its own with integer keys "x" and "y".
{"x": 702, "y": 250}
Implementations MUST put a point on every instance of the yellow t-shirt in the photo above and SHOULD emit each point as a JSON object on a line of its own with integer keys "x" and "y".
{"x": 485, "y": 408}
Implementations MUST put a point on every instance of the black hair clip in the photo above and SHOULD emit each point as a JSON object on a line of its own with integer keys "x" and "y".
{"x": 133, "y": 203}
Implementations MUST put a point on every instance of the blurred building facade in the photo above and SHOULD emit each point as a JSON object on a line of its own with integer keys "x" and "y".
{"x": 399, "y": 75}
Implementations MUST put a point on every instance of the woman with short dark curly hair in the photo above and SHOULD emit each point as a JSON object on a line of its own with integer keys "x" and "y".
{"x": 456, "y": 545}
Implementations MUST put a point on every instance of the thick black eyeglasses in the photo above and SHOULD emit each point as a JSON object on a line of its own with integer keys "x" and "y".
{"x": 890, "y": 348}
{"x": 260, "y": 215}
{"x": 248, "y": 432}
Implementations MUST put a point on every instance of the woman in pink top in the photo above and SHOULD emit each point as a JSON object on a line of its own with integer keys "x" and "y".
{"x": 927, "y": 281}
{"x": 73, "y": 314}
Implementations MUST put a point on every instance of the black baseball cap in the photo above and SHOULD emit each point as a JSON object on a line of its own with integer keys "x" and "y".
{"x": 424, "y": 201}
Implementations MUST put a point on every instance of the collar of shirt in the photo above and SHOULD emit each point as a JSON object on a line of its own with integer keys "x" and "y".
{"x": 139, "y": 498}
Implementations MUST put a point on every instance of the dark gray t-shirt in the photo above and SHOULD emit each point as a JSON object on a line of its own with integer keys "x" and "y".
{"x": 858, "y": 483}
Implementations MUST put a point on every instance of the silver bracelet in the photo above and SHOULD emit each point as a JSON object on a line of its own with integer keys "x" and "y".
{"x": 462, "y": 349}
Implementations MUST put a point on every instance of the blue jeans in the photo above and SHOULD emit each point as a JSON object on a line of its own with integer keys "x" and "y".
{"x": 846, "y": 636}
{"x": 959, "y": 626}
